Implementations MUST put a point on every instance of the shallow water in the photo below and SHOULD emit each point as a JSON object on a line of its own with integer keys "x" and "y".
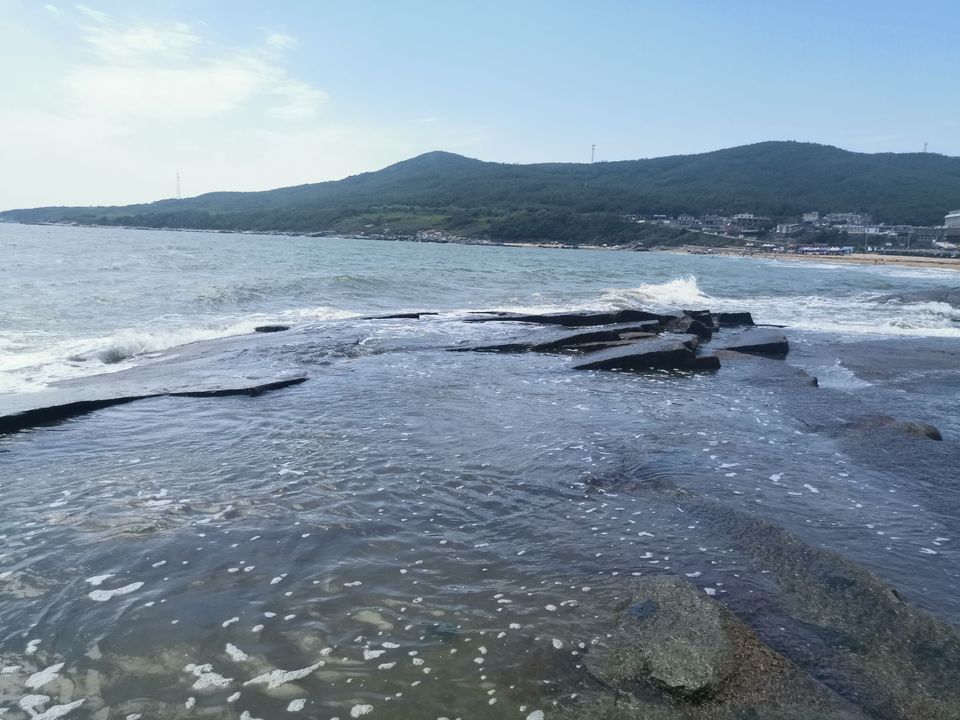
{"x": 426, "y": 533}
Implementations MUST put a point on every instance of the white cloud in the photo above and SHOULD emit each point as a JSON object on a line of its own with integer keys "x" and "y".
{"x": 112, "y": 117}
{"x": 280, "y": 41}
{"x": 96, "y": 15}
{"x": 112, "y": 42}
{"x": 167, "y": 72}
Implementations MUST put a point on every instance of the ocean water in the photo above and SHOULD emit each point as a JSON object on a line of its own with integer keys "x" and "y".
{"x": 415, "y": 533}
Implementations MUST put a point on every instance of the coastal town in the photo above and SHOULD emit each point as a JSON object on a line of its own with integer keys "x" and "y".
{"x": 819, "y": 233}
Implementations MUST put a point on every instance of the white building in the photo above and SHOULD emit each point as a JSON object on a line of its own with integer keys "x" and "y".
{"x": 952, "y": 224}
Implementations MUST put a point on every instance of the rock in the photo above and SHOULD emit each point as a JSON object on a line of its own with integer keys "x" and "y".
{"x": 706, "y": 362}
{"x": 652, "y": 354}
{"x": 270, "y": 328}
{"x": 734, "y": 319}
{"x": 695, "y": 327}
{"x": 948, "y": 297}
{"x": 753, "y": 342}
{"x": 576, "y": 319}
{"x": 400, "y": 316}
{"x": 33, "y": 417}
{"x": 612, "y": 333}
{"x": 704, "y": 316}
{"x": 672, "y": 636}
{"x": 914, "y": 428}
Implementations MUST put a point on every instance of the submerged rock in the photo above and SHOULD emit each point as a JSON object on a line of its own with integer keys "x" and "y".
{"x": 672, "y": 638}
{"x": 914, "y": 428}
{"x": 271, "y": 328}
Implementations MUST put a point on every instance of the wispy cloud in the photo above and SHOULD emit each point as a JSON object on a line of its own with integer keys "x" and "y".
{"x": 167, "y": 71}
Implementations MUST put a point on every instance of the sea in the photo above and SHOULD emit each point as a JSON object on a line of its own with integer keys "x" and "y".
{"x": 418, "y": 533}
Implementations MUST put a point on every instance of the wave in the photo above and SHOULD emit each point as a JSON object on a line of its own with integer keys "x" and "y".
{"x": 852, "y": 315}
{"x": 682, "y": 291}
{"x": 30, "y": 368}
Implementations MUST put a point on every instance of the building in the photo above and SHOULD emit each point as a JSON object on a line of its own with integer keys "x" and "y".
{"x": 789, "y": 229}
{"x": 951, "y": 225}
{"x": 811, "y": 217}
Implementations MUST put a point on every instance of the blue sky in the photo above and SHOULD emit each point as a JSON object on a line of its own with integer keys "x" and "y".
{"x": 104, "y": 102}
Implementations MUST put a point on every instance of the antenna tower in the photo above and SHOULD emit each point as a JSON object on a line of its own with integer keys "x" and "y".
{"x": 593, "y": 153}
{"x": 178, "y": 186}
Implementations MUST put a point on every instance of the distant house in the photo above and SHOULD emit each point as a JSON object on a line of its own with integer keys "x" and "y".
{"x": 811, "y": 217}
{"x": 789, "y": 229}
{"x": 951, "y": 225}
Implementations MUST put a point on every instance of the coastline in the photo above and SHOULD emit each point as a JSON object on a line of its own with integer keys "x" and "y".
{"x": 915, "y": 261}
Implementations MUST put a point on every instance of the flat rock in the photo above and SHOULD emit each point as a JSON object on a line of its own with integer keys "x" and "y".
{"x": 47, "y": 414}
{"x": 612, "y": 333}
{"x": 400, "y": 316}
{"x": 734, "y": 319}
{"x": 754, "y": 342}
{"x": 665, "y": 353}
{"x": 574, "y": 319}
{"x": 270, "y": 328}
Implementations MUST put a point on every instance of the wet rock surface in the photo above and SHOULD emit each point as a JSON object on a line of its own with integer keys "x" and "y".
{"x": 673, "y": 639}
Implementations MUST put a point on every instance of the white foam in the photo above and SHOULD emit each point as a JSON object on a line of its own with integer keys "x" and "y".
{"x": 44, "y": 677}
{"x": 98, "y": 579}
{"x": 104, "y": 595}
{"x": 275, "y": 678}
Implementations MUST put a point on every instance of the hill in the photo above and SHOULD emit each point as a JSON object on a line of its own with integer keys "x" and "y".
{"x": 565, "y": 202}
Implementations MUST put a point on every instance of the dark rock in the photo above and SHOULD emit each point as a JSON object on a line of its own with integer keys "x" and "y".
{"x": 25, "y": 419}
{"x": 704, "y": 316}
{"x": 638, "y": 335}
{"x": 695, "y": 327}
{"x": 706, "y": 362}
{"x": 612, "y": 333}
{"x": 271, "y": 328}
{"x": 576, "y": 319}
{"x": 754, "y": 342}
{"x": 735, "y": 319}
{"x": 874, "y": 423}
{"x": 673, "y": 638}
{"x": 949, "y": 297}
{"x": 653, "y": 354}
{"x": 681, "y": 642}
{"x": 400, "y": 316}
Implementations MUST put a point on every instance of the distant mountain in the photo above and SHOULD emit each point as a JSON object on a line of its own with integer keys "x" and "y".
{"x": 561, "y": 201}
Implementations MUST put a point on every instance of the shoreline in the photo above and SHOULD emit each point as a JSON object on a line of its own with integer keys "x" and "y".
{"x": 937, "y": 263}
{"x": 869, "y": 259}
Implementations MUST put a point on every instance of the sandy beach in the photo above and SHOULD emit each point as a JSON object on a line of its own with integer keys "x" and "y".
{"x": 939, "y": 263}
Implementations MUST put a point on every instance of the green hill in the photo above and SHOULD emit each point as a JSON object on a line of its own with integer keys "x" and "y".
{"x": 566, "y": 202}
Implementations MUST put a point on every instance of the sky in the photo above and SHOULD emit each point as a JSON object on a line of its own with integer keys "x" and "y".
{"x": 106, "y": 102}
